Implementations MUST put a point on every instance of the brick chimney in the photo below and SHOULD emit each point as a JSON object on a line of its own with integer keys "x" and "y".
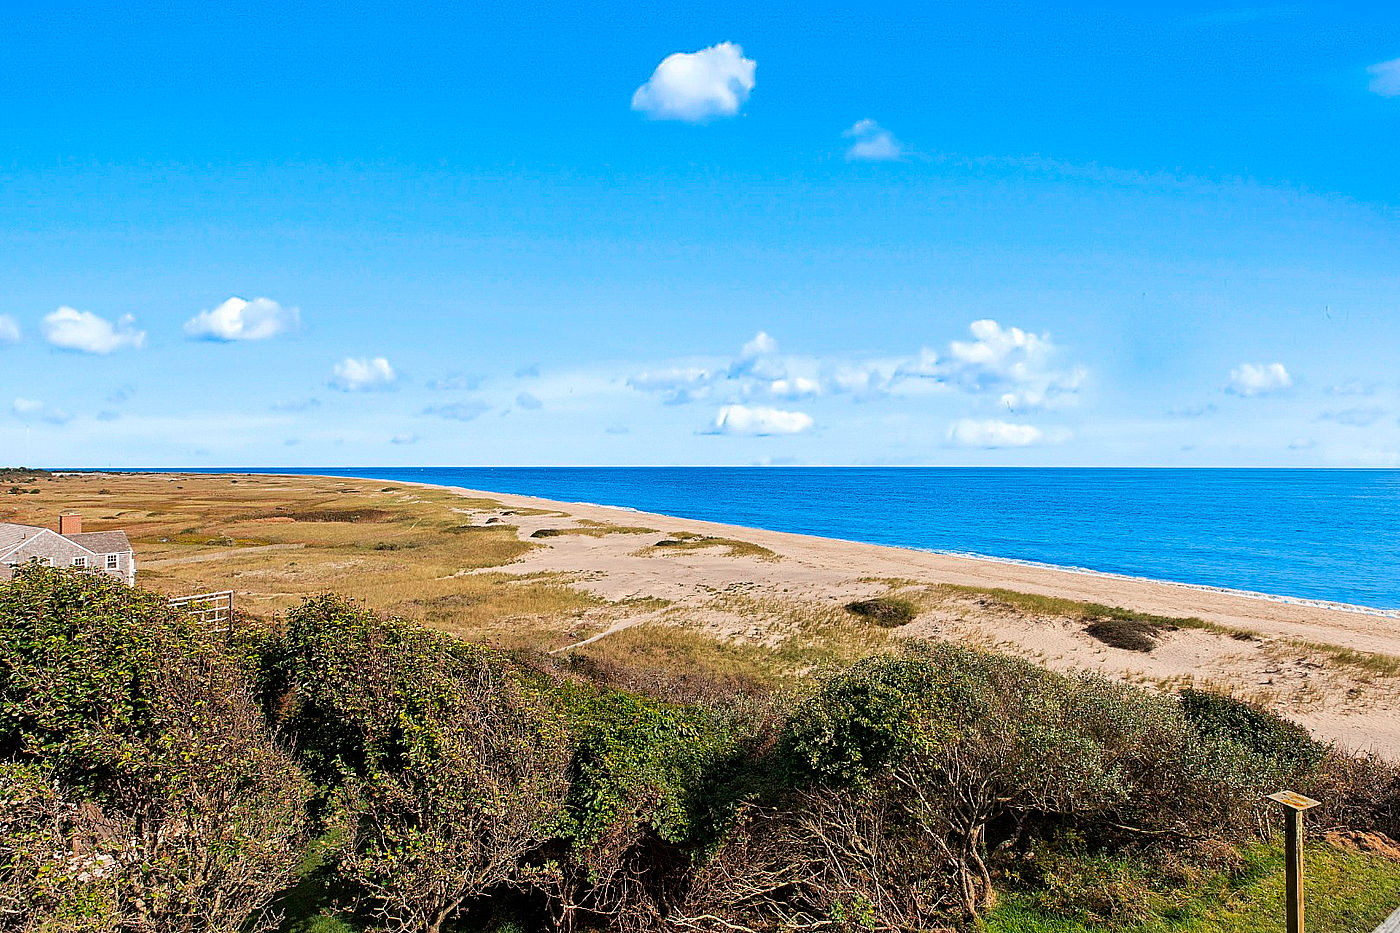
{"x": 70, "y": 524}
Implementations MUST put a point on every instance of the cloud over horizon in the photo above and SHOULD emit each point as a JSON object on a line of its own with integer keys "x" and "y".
{"x": 871, "y": 142}
{"x": 237, "y": 319}
{"x": 695, "y": 87}
{"x": 992, "y": 434}
{"x": 9, "y": 329}
{"x": 361, "y": 374}
{"x": 759, "y": 421}
{"x": 85, "y": 332}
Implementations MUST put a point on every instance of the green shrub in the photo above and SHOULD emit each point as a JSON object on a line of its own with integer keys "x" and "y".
{"x": 1128, "y": 634}
{"x": 153, "y": 755}
{"x": 450, "y": 770}
{"x": 966, "y": 745}
{"x": 885, "y": 611}
{"x": 1267, "y": 734}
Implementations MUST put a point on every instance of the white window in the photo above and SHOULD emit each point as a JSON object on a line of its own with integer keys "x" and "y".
{"x": 111, "y": 562}
{"x": 80, "y": 562}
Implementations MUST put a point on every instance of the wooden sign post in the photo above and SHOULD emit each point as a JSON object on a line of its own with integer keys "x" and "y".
{"x": 1294, "y": 804}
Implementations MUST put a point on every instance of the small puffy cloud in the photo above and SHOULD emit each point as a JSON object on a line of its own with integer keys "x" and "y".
{"x": 988, "y": 434}
{"x": 1251, "y": 379}
{"x": 760, "y": 345}
{"x": 458, "y": 411}
{"x": 698, "y": 86}
{"x": 528, "y": 402}
{"x": 1014, "y": 365}
{"x": 617, "y": 429}
{"x": 871, "y": 142}
{"x": 362, "y": 374}
{"x": 27, "y": 406}
{"x": 759, "y": 421}
{"x": 528, "y": 372}
{"x": 85, "y": 332}
{"x": 794, "y": 387}
{"x": 9, "y": 329}
{"x": 404, "y": 439}
{"x": 237, "y": 319}
{"x": 1385, "y": 78}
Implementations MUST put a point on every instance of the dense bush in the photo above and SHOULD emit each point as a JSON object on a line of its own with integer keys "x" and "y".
{"x": 452, "y": 784}
{"x": 1284, "y": 743}
{"x": 963, "y": 751}
{"x": 649, "y": 787}
{"x": 885, "y": 611}
{"x": 449, "y": 769}
{"x": 131, "y": 743}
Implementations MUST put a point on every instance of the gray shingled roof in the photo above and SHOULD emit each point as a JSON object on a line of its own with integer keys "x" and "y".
{"x": 11, "y": 534}
{"x": 102, "y": 542}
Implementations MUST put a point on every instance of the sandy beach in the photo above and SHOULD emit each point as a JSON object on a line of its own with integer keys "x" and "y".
{"x": 1284, "y": 665}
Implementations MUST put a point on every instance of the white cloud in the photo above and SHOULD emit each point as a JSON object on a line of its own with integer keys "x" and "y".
{"x": 9, "y": 329}
{"x": 1016, "y": 366}
{"x": 357, "y": 375}
{"x": 698, "y": 86}
{"x": 1385, "y": 78}
{"x": 27, "y": 406}
{"x": 1251, "y": 379}
{"x": 760, "y": 345}
{"x": 85, "y": 332}
{"x": 970, "y": 433}
{"x": 237, "y": 319}
{"x": 404, "y": 439}
{"x": 528, "y": 401}
{"x": 760, "y": 421}
{"x": 871, "y": 142}
{"x": 794, "y": 387}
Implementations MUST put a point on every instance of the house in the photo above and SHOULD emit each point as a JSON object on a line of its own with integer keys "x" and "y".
{"x": 99, "y": 551}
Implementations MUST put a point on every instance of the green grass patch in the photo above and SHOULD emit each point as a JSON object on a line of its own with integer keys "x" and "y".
{"x": 1347, "y": 891}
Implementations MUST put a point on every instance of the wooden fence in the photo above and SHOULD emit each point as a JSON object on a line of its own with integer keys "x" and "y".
{"x": 208, "y": 608}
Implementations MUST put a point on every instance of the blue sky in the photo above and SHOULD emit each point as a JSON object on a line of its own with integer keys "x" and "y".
{"x": 955, "y": 233}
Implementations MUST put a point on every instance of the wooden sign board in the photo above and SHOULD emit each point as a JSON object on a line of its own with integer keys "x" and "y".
{"x": 1294, "y": 800}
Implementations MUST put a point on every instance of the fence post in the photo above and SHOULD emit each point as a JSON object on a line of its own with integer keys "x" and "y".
{"x": 1294, "y": 805}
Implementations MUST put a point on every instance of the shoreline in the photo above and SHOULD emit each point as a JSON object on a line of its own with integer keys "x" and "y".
{"x": 1106, "y": 575}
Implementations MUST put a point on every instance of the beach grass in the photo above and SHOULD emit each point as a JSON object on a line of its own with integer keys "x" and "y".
{"x": 592, "y": 529}
{"x": 688, "y": 541}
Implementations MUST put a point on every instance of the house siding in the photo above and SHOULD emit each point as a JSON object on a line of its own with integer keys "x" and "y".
{"x": 49, "y": 547}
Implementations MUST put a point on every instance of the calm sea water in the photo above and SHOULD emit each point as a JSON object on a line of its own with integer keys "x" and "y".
{"x": 1316, "y": 534}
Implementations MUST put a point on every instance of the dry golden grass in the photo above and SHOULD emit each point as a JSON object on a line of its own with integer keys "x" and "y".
{"x": 274, "y": 540}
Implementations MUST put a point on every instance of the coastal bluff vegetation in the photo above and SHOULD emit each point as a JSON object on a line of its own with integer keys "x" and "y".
{"x": 425, "y": 717}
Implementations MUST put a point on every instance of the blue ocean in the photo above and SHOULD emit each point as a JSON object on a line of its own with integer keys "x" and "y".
{"x": 1315, "y": 534}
